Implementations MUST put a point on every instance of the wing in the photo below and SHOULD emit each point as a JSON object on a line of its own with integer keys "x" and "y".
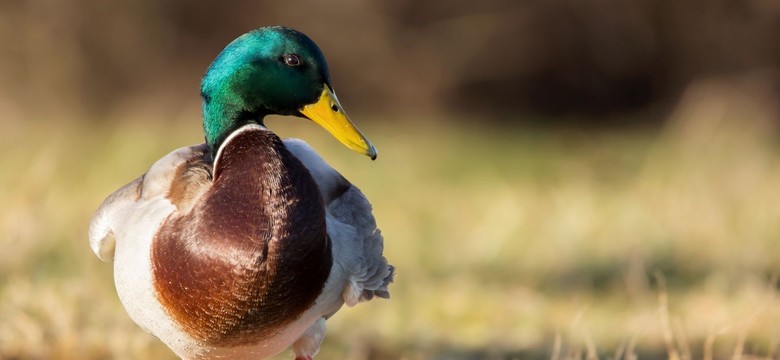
{"x": 121, "y": 209}
{"x": 357, "y": 242}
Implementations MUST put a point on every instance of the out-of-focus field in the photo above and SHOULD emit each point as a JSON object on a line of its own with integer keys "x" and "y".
{"x": 509, "y": 242}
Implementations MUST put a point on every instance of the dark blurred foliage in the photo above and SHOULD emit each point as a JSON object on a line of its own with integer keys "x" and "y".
{"x": 566, "y": 57}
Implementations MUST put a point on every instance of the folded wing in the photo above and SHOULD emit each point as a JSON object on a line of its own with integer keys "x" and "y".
{"x": 357, "y": 242}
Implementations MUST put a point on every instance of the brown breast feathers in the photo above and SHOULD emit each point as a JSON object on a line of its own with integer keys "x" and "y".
{"x": 251, "y": 253}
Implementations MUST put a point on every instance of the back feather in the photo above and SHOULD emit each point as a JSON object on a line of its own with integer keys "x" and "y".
{"x": 118, "y": 208}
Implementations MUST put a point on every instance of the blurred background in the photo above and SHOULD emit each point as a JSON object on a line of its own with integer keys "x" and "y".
{"x": 557, "y": 179}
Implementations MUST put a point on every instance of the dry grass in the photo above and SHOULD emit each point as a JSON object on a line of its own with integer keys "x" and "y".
{"x": 509, "y": 243}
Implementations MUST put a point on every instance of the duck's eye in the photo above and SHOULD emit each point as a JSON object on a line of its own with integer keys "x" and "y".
{"x": 291, "y": 59}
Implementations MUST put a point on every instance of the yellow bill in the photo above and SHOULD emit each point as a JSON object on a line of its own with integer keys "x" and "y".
{"x": 328, "y": 113}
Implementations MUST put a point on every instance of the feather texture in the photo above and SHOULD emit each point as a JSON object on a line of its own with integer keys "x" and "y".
{"x": 126, "y": 227}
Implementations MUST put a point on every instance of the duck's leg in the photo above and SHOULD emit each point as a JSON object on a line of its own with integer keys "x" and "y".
{"x": 309, "y": 343}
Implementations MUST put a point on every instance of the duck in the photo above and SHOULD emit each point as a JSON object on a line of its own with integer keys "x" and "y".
{"x": 244, "y": 245}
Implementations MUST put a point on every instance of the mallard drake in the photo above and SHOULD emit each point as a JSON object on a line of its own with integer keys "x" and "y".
{"x": 244, "y": 245}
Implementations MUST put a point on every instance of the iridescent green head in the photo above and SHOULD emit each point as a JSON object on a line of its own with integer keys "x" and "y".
{"x": 273, "y": 70}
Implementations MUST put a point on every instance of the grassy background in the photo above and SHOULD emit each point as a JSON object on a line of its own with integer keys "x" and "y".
{"x": 513, "y": 242}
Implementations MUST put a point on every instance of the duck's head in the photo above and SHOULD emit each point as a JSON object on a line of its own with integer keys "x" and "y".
{"x": 273, "y": 71}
